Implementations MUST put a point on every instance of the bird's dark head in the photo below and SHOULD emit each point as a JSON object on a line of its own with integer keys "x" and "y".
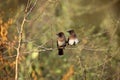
{"x": 70, "y": 31}
{"x": 60, "y": 34}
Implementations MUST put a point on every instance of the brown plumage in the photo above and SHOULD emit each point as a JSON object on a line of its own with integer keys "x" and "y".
{"x": 61, "y": 43}
{"x": 72, "y": 39}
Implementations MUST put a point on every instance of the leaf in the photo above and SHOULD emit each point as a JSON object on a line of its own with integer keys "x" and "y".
{"x": 58, "y": 71}
{"x": 35, "y": 54}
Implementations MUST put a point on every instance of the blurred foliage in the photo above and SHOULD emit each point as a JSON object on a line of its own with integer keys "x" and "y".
{"x": 96, "y": 23}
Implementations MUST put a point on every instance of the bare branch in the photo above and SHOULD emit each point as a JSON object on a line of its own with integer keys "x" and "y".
{"x": 18, "y": 48}
{"x": 31, "y": 8}
{"x": 20, "y": 38}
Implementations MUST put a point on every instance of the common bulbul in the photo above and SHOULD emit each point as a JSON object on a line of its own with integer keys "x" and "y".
{"x": 61, "y": 43}
{"x": 72, "y": 39}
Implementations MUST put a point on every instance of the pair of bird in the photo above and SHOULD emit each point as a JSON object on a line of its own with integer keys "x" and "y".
{"x": 61, "y": 40}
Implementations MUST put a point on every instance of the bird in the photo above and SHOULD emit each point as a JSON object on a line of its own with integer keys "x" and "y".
{"x": 72, "y": 39}
{"x": 61, "y": 43}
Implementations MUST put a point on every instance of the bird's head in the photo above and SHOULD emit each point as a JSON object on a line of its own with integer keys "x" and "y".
{"x": 70, "y": 31}
{"x": 60, "y": 34}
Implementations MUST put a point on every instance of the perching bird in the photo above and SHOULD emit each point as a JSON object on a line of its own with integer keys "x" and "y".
{"x": 72, "y": 39}
{"x": 61, "y": 43}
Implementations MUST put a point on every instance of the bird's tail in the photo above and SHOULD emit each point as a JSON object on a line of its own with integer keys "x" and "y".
{"x": 60, "y": 51}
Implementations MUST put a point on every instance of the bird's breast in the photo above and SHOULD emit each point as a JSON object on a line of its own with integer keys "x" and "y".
{"x": 61, "y": 43}
{"x": 72, "y": 41}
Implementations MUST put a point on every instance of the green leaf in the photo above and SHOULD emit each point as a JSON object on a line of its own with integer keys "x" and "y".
{"x": 35, "y": 54}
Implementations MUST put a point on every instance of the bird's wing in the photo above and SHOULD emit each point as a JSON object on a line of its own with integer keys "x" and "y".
{"x": 76, "y": 41}
{"x": 67, "y": 41}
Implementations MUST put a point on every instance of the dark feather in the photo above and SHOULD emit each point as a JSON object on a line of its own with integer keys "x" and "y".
{"x": 60, "y": 51}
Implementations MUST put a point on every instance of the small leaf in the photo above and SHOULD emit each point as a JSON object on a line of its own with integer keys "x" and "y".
{"x": 35, "y": 54}
{"x": 58, "y": 71}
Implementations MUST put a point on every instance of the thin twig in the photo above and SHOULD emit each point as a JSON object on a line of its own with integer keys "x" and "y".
{"x": 18, "y": 48}
{"x": 20, "y": 37}
{"x": 28, "y": 12}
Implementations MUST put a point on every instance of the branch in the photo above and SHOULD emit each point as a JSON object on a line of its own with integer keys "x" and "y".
{"x": 20, "y": 38}
{"x": 31, "y": 8}
{"x": 18, "y": 48}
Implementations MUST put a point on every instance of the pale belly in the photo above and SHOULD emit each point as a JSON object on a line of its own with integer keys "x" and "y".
{"x": 72, "y": 41}
{"x": 61, "y": 43}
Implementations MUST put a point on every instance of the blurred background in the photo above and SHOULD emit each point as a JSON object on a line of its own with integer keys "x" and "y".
{"x": 96, "y": 23}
